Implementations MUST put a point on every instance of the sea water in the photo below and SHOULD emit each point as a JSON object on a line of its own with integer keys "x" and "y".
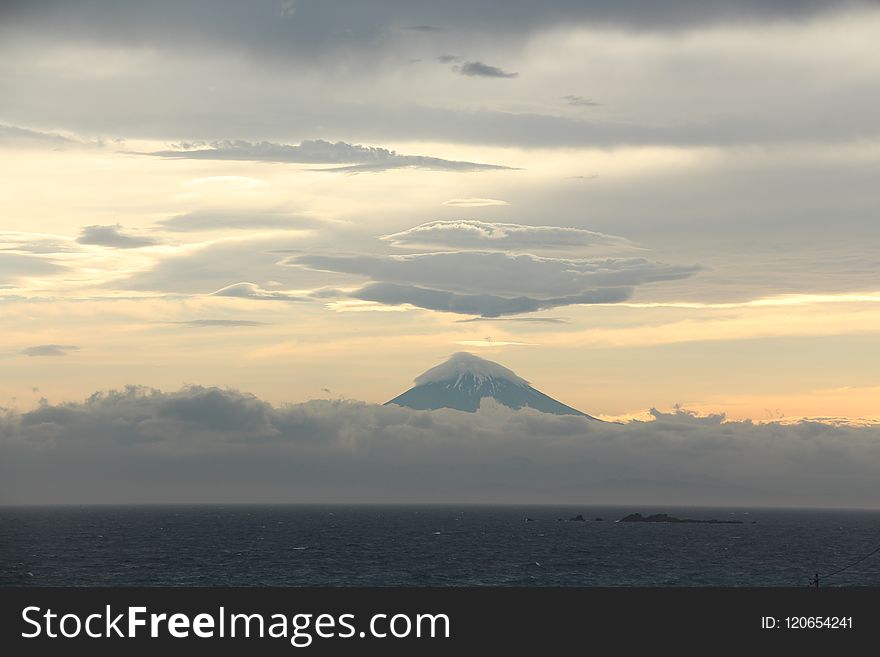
{"x": 360, "y": 545}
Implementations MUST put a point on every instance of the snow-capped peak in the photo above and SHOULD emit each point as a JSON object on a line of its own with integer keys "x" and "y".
{"x": 461, "y": 364}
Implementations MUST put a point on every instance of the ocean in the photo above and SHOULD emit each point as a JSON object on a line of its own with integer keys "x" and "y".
{"x": 373, "y": 545}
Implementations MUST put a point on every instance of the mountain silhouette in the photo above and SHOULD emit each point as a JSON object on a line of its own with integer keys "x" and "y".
{"x": 464, "y": 380}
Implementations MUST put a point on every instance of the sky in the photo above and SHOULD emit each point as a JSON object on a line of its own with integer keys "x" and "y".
{"x": 634, "y": 205}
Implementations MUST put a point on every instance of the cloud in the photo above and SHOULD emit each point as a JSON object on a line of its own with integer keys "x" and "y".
{"x": 479, "y": 69}
{"x": 217, "y": 445}
{"x": 317, "y": 28}
{"x": 38, "y": 243}
{"x": 474, "y": 202}
{"x": 493, "y": 284}
{"x": 253, "y": 291}
{"x": 580, "y": 101}
{"x": 213, "y": 265}
{"x": 485, "y": 305}
{"x": 15, "y": 266}
{"x": 234, "y": 220}
{"x": 11, "y": 135}
{"x": 472, "y": 234}
{"x": 114, "y": 237}
{"x": 446, "y": 59}
{"x": 49, "y": 350}
{"x": 181, "y": 46}
{"x": 354, "y": 157}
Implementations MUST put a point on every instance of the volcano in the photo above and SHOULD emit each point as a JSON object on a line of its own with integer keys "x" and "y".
{"x": 464, "y": 380}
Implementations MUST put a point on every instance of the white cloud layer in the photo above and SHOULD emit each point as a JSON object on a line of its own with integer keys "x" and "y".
{"x": 209, "y": 444}
{"x": 491, "y": 284}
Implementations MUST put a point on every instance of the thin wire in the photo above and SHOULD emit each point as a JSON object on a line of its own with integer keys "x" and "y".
{"x": 848, "y": 566}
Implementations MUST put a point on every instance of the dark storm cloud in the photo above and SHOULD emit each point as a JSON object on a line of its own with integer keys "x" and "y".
{"x": 479, "y": 69}
{"x": 49, "y": 350}
{"x": 114, "y": 237}
{"x": 218, "y": 445}
{"x": 319, "y": 151}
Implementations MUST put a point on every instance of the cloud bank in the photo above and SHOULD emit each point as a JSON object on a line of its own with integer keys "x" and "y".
{"x": 318, "y": 26}
{"x": 217, "y": 445}
{"x": 491, "y": 284}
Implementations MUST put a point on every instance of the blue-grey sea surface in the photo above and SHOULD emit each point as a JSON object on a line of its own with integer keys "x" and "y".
{"x": 357, "y": 545}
